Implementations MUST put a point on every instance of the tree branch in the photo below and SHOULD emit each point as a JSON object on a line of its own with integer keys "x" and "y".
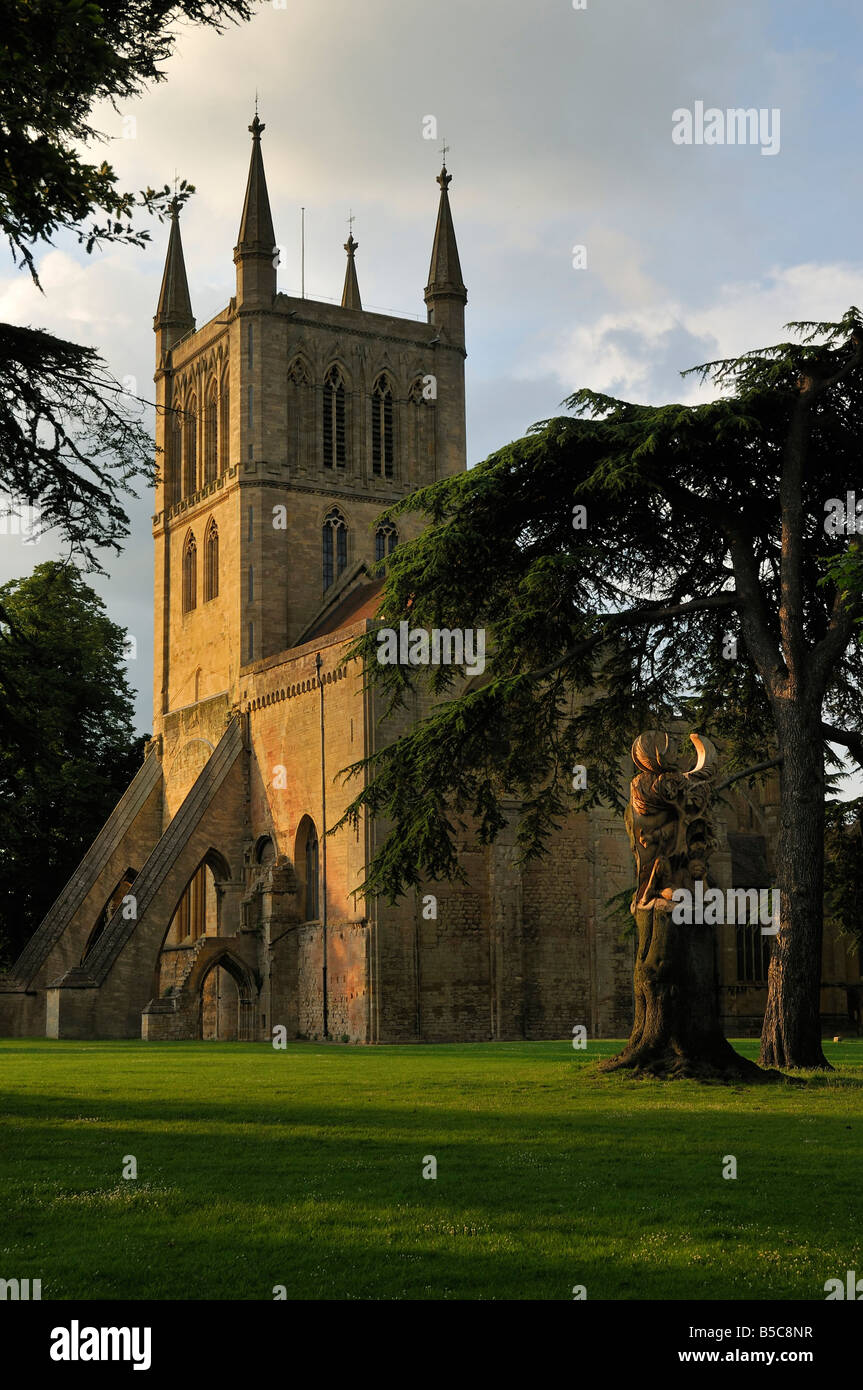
{"x": 749, "y": 772}
{"x": 635, "y": 617}
{"x": 838, "y": 634}
{"x": 848, "y": 739}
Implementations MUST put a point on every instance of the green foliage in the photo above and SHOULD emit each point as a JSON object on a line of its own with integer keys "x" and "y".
{"x": 843, "y": 868}
{"x": 58, "y": 58}
{"x": 69, "y": 747}
{"x": 71, "y": 440}
{"x": 594, "y": 634}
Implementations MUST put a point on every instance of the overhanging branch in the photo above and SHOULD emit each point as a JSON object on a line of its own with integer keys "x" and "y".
{"x": 749, "y": 772}
{"x": 636, "y": 617}
{"x": 847, "y": 738}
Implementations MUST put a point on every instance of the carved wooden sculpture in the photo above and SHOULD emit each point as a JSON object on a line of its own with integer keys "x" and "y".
{"x": 676, "y": 1029}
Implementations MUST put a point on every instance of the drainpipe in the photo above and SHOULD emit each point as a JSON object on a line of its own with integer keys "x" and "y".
{"x": 323, "y": 843}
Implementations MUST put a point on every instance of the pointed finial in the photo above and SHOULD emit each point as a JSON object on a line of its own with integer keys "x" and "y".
{"x": 350, "y": 245}
{"x": 257, "y": 128}
{"x": 443, "y": 178}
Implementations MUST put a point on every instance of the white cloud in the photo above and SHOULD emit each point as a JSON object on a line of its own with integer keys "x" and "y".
{"x": 638, "y": 354}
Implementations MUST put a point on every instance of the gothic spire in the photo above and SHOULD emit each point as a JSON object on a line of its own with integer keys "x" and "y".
{"x": 445, "y": 271}
{"x": 256, "y": 254}
{"x": 351, "y": 292}
{"x": 174, "y": 311}
{"x": 256, "y": 225}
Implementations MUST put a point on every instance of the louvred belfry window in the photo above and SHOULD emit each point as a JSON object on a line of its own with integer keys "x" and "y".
{"x": 334, "y": 419}
{"x": 382, "y": 428}
{"x": 190, "y": 449}
{"x": 211, "y": 449}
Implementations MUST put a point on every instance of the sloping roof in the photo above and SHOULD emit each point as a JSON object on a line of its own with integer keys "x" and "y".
{"x": 361, "y": 602}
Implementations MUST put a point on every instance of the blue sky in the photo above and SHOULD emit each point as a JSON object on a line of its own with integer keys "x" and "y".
{"x": 559, "y": 122}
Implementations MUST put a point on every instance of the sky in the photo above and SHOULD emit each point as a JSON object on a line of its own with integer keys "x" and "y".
{"x": 560, "y": 122}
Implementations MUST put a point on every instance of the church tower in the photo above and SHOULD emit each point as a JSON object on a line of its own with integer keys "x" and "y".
{"x": 285, "y": 426}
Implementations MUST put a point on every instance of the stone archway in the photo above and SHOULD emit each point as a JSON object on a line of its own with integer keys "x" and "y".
{"x": 226, "y": 993}
{"x": 219, "y": 1006}
{"x": 116, "y": 899}
{"x": 198, "y": 913}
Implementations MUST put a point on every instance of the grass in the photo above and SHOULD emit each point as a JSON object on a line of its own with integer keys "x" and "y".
{"x": 303, "y": 1168}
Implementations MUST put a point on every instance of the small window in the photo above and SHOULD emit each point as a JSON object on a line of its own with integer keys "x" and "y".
{"x": 753, "y": 953}
{"x": 749, "y": 870}
{"x": 211, "y": 563}
{"x": 386, "y": 540}
{"x": 190, "y": 574}
{"x": 335, "y": 547}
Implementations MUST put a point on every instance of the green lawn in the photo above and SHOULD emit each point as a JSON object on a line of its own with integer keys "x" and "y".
{"x": 303, "y": 1168}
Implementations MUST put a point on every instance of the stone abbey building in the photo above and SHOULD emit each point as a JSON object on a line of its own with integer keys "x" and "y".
{"x": 212, "y": 904}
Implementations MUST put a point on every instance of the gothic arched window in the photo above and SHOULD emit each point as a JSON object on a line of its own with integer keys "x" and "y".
{"x": 211, "y": 562}
{"x": 334, "y": 419}
{"x": 335, "y": 546}
{"x": 190, "y": 449}
{"x": 175, "y": 458}
{"x": 190, "y": 574}
{"x": 312, "y": 876}
{"x": 224, "y": 425}
{"x": 386, "y": 540}
{"x": 382, "y": 428}
{"x": 307, "y": 868}
{"x": 211, "y": 442}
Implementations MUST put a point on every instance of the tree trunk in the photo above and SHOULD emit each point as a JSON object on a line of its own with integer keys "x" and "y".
{"x": 791, "y": 1036}
{"x": 677, "y": 1032}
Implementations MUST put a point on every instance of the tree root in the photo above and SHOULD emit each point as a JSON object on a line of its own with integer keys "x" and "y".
{"x": 722, "y": 1064}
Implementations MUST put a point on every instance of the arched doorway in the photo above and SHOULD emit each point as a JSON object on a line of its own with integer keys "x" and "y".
{"x": 220, "y": 1006}
{"x": 226, "y": 1000}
